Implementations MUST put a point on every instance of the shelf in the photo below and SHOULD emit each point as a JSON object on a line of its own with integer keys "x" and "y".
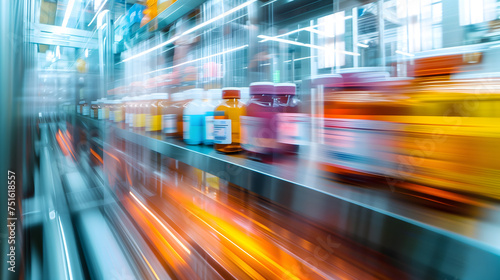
{"x": 372, "y": 215}
{"x": 90, "y": 121}
{"x": 297, "y": 185}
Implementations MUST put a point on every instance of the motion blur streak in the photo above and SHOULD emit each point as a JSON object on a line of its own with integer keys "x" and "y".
{"x": 242, "y": 239}
{"x": 67, "y": 147}
{"x": 112, "y": 156}
{"x": 65, "y": 246}
{"x": 96, "y": 156}
{"x": 61, "y": 145}
{"x": 150, "y": 267}
{"x": 250, "y": 139}
{"x": 162, "y": 225}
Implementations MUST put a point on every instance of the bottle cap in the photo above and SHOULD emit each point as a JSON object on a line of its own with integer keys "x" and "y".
{"x": 284, "y": 89}
{"x": 195, "y": 93}
{"x": 261, "y": 88}
{"x": 328, "y": 81}
{"x": 231, "y": 92}
{"x": 159, "y": 96}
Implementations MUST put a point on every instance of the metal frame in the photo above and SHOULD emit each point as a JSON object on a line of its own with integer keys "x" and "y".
{"x": 61, "y": 36}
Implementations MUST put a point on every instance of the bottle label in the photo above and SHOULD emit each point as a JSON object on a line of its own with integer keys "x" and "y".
{"x": 209, "y": 127}
{"x": 92, "y": 113}
{"x": 85, "y": 110}
{"x": 139, "y": 120}
{"x": 292, "y": 128}
{"x": 149, "y": 122}
{"x": 153, "y": 122}
{"x": 131, "y": 120}
{"x": 111, "y": 115}
{"x": 250, "y": 126}
{"x": 358, "y": 145}
{"x": 169, "y": 123}
{"x": 127, "y": 118}
{"x": 118, "y": 116}
{"x": 106, "y": 113}
{"x": 100, "y": 114}
{"x": 222, "y": 132}
{"x": 185, "y": 123}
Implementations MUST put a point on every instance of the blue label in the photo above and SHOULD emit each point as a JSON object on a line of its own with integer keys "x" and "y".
{"x": 193, "y": 129}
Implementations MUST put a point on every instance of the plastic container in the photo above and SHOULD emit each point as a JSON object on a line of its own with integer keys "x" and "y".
{"x": 106, "y": 109}
{"x": 79, "y": 107}
{"x": 124, "y": 104}
{"x": 94, "y": 109}
{"x": 193, "y": 118}
{"x": 227, "y": 126}
{"x": 116, "y": 111}
{"x": 85, "y": 108}
{"x": 258, "y": 135}
{"x": 291, "y": 123}
{"x": 172, "y": 110}
{"x": 358, "y": 132}
{"x": 154, "y": 116}
{"x": 140, "y": 108}
{"x": 209, "y": 102}
{"x": 129, "y": 111}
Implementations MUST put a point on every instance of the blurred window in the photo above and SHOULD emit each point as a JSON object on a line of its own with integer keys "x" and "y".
{"x": 332, "y": 27}
{"x": 477, "y": 11}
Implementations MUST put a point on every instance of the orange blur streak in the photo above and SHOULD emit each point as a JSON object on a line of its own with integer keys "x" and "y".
{"x": 128, "y": 177}
{"x": 111, "y": 155}
{"x": 443, "y": 194}
{"x": 258, "y": 252}
{"x": 158, "y": 234}
{"x": 66, "y": 143}
{"x": 61, "y": 145}
{"x": 69, "y": 135}
{"x": 96, "y": 156}
{"x": 164, "y": 241}
{"x": 150, "y": 267}
{"x": 426, "y": 198}
{"x": 164, "y": 227}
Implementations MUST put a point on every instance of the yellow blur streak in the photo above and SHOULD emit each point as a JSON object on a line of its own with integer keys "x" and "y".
{"x": 237, "y": 235}
{"x": 150, "y": 267}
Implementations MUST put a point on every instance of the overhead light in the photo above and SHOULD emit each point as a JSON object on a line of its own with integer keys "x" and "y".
{"x": 86, "y": 52}
{"x": 362, "y": 45}
{"x": 237, "y": 8}
{"x": 303, "y": 45}
{"x": 100, "y": 19}
{"x": 198, "y": 59}
{"x": 58, "y": 52}
{"x": 294, "y": 31}
{"x": 153, "y": 48}
{"x": 267, "y": 38}
{"x": 69, "y": 10}
{"x": 302, "y": 58}
{"x": 269, "y": 3}
{"x": 98, "y": 11}
{"x": 404, "y": 53}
